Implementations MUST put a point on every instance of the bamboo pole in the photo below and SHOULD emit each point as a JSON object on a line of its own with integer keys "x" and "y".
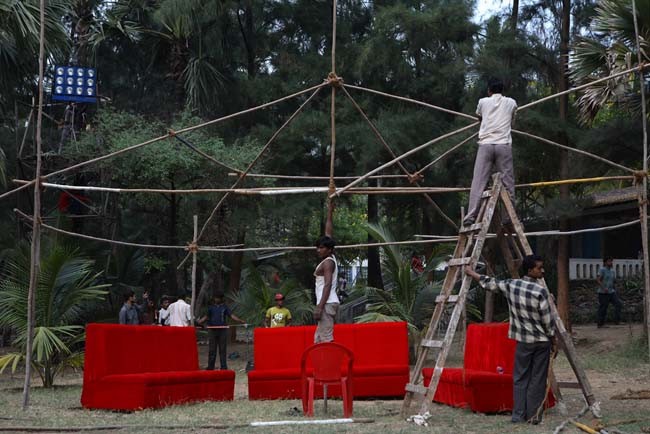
{"x": 643, "y": 196}
{"x": 112, "y": 241}
{"x": 412, "y": 178}
{"x": 584, "y": 86}
{"x": 444, "y": 154}
{"x": 413, "y": 101}
{"x": 35, "y": 257}
{"x": 319, "y": 189}
{"x": 577, "y": 151}
{"x": 205, "y": 155}
{"x": 404, "y": 155}
{"x": 329, "y": 223}
{"x": 194, "y": 250}
{"x": 317, "y": 178}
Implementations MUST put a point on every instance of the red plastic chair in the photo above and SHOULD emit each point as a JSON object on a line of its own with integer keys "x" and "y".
{"x": 327, "y": 366}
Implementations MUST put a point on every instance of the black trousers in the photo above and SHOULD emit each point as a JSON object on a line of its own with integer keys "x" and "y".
{"x": 529, "y": 379}
{"x": 217, "y": 337}
{"x": 603, "y": 302}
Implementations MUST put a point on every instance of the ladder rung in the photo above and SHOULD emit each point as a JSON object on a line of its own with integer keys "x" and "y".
{"x": 430, "y": 343}
{"x": 450, "y": 299}
{"x": 415, "y": 388}
{"x": 471, "y": 228}
{"x": 569, "y": 385}
{"x": 455, "y": 262}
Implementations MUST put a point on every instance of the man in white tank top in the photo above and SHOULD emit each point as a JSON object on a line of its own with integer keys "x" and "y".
{"x": 327, "y": 302}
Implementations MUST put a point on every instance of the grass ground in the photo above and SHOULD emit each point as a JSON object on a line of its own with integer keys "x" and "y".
{"x": 611, "y": 356}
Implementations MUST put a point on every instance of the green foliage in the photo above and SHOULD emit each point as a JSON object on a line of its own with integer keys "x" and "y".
{"x": 66, "y": 284}
{"x": 256, "y": 296}
{"x": 611, "y": 49}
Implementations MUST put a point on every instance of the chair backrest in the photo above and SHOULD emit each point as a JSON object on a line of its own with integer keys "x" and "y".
{"x": 127, "y": 349}
{"x": 487, "y": 347}
{"x": 329, "y": 361}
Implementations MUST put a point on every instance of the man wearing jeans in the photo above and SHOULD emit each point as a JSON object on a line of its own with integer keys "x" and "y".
{"x": 327, "y": 302}
{"x": 532, "y": 327}
{"x": 496, "y": 113}
{"x": 218, "y": 312}
{"x": 607, "y": 293}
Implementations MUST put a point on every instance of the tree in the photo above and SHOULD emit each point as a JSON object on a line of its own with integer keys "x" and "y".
{"x": 67, "y": 284}
{"x": 611, "y": 49}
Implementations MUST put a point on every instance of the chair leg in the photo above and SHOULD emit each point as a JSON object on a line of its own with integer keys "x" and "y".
{"x": 305, "y": 396}
{"x": 347, "y": 398}
{"x": 325, "y": 398}
{"x": 310, "y": 403}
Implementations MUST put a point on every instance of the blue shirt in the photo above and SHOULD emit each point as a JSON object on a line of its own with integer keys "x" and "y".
{"x": 129, "y": 314}
{"x": 607, "y": 275}
{"x": 217, "y": 314}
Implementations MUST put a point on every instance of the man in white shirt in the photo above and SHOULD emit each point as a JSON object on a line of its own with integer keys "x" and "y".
{"x": 180, "y": 314}
{"x": 497, "y": 114}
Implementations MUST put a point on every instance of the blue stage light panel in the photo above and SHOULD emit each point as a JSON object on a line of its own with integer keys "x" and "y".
{"x": 75, "y": 84}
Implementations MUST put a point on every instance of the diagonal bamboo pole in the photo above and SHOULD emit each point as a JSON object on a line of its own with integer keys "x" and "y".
{"x": 577, "y": 151}
{"x": 404, "y": 155}
{"x": 250, "y": 166}
{"x": 444, "y": 154}
{"x": 386, "y": 146}
{"x": 166, "y": 136}
{"x": 643, "y": 186}
{"x": 205, "y": 155}
{"x": 35, "y": 257}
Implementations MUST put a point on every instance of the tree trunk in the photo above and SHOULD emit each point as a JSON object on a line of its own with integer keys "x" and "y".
{"x": 374, "y": 265}
{"x": 514, "y": 17}
{"x": 563, "y": 242}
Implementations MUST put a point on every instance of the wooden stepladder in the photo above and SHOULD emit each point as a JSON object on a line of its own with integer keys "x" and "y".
{"x": 471, "y": 240}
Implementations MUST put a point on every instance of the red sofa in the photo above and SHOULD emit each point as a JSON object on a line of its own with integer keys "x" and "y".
{"x": 479, "y": 385}
{"x": 134, "y": 367}
{"x": 381, "y": 362}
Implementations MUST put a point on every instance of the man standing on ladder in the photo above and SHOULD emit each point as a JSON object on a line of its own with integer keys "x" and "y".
{"x": 531, "y": 325}
{"x": 497, "y": 114}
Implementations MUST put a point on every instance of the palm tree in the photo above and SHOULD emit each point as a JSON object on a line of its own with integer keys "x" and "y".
{"x": 612, "y": 49}
{"x": 66, "y": 285}
{"x": 256, "y": 296}
{"x": 404, "y": 292}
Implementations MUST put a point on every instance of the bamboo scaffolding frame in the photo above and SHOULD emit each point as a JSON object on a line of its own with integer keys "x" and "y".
{"x": 412, "y": 178}
{"x": 444, "y": 154}
{"x": 404, "y": 155}
{"x": 322, "y": 189}
{"x": 166, "y": 136}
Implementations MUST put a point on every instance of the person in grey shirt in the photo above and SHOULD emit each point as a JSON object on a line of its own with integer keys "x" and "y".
{"x": 129, "y": 313}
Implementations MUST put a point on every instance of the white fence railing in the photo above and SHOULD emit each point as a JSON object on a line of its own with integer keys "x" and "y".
{"x": 584, "y": 268}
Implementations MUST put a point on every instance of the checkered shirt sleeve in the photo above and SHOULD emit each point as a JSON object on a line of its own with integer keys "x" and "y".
{"x": 529, "y": 305}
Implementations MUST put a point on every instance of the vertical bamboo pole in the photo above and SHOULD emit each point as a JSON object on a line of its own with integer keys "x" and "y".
{"x": 643, "y": 194}
{"x": 34, "y": 265}
{"x": 329, "y": 224}
{"x": 194, "y": 251}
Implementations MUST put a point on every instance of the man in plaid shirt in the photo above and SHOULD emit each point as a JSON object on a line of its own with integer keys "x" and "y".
{"x": 531, "y": 326}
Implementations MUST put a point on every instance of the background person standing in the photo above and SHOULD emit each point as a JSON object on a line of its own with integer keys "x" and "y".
{"x": 218, "y": 312}
{"x": 278, "y": 315}
{"x": 607, "y": 293}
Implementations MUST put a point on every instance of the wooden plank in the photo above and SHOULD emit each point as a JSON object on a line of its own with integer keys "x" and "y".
{"x": 430, "y": 343}
{"x": 472, "y": 228}
{"x": 455, "y": 262}
{"x": 415, "y": 388}
{"x": 449, "y": 299}
{"x": 569, "y": 385}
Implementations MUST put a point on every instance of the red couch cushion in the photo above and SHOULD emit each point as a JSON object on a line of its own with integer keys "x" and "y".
{"x": 166, "y": 378}
{"x": 487, "y": 347}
